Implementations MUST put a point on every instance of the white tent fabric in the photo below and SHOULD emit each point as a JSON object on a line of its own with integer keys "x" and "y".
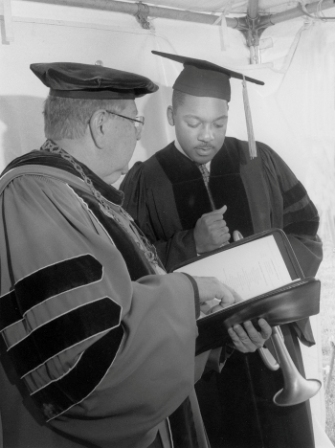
{"x": 293, "y": 113}
{"x": 231, "y": 6}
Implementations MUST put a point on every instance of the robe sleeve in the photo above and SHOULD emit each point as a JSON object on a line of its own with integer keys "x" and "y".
{"x": 141, "y": 205}
{"x": 105, "y": 358}
{"x": 293, "y": 211}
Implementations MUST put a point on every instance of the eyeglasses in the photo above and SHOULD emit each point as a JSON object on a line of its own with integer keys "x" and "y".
{"x": 138, "y": 121}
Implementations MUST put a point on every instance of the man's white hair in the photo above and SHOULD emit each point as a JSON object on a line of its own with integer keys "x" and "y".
{"x": 69, "y": 117}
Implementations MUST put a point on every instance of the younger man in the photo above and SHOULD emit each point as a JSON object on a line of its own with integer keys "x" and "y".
{"x": 186, "y": 211}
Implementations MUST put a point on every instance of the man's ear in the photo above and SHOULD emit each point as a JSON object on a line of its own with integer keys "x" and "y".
{"x": 170, "y": 117}
{"x": 97, "y": 126}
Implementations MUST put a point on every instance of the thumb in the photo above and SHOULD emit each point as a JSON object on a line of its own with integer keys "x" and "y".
{"x": 221, "y": 210}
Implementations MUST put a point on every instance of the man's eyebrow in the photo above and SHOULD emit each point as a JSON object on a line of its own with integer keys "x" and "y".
{"x": 221, "y": 117}
{"x": 198, "y": 118}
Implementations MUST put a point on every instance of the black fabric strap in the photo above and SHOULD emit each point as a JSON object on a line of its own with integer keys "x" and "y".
{"x": 60, "y": 395}
{"x": 45, "y": 283}
{"x": 196, "y": 294}
{"x": 57, "y": 335}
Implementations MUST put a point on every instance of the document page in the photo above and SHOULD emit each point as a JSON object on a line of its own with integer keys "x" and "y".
{"x": 251, "y": 269}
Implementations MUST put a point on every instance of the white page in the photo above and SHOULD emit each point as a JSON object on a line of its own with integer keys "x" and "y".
{"x": 250, "y": 269}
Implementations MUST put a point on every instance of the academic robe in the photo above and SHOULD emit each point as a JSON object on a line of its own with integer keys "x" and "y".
{"x": 97, "y": 345}
{"x": 166, "y": 195}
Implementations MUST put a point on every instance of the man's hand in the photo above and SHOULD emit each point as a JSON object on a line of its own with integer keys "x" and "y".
{"x": 211, "y": 288}
{"x": 247, "y": 339}
{"x": 211, "y": 231}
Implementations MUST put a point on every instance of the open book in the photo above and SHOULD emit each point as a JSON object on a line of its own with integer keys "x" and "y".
{"x": 249, "y": 267}
{"x": 265, "y": 272}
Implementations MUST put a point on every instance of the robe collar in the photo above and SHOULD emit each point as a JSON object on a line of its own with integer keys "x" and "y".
{"x": 51, "y": 155}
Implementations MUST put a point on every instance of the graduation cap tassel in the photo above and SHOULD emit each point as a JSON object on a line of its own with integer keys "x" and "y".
{"x": 250, "y": 130}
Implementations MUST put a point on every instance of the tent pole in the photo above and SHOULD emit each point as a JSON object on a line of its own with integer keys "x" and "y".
{"x": 138, "y": 8}
{"x": 298, "y": 11}
{"x": 252, "y": 34}
{"x": 252, "y": 25}
{"x": 177, "y": 14}
{"x": 189, "y": 16}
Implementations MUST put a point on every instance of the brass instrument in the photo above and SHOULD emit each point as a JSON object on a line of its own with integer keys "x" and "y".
{"x": 297, "y": 389}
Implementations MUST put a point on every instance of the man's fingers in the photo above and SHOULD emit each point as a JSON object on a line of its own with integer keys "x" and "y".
{"x": 225, "y": 236}
{"x": 211, "y": 287}
{"x": 237, "y": 297}
{"x": 215, "y": 224}
{"x": 240, "y": 339}
{"x": 247, "y": 339}
{"x": 231, "y": 293}
{"x": 253, "y": 334}
{"x": 228, "y": 296}
{"x": 266, "y": 330}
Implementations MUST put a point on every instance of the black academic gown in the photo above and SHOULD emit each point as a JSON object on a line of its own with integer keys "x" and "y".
{"x": 166, "y": 196}
{"x": 99, "y": 348}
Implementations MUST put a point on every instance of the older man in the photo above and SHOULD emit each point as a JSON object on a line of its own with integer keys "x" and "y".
{"x": 97, "y": 343}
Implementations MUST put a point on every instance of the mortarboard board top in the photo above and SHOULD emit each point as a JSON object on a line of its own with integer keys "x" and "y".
{"x": 85, "y": 81}
{"x": 204, "y": 78}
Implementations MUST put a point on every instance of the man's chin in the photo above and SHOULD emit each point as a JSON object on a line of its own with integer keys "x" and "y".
{"x": 201, "y": 156}
{"x": 112, "y": 178}
{"x": 203, "y": 159}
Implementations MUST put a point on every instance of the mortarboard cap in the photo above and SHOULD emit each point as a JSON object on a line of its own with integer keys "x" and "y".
{"x": 203, "y": 78}
{"x": 84, "y": 81}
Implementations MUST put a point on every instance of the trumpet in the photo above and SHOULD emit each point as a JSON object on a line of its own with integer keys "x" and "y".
{"x": 297, "y": 389}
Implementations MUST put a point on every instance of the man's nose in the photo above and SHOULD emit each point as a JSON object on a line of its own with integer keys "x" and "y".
{"x": 206, "y": 134}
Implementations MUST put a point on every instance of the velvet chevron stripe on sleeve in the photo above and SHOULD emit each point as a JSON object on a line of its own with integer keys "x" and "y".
{"x": 59, "y": 396}
{"x": 45, "y": 283}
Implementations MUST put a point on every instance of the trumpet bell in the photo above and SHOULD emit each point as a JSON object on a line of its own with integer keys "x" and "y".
{"x": 300, "y": 390}
{"x": 297, "y": 389}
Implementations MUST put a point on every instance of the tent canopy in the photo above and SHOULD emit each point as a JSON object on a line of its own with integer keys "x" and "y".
{"x": 288, "y": 45}
{"x": 293, "y": 54}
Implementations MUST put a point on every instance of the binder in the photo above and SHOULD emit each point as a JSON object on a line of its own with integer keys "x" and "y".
{"x": 284, "y": 295}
